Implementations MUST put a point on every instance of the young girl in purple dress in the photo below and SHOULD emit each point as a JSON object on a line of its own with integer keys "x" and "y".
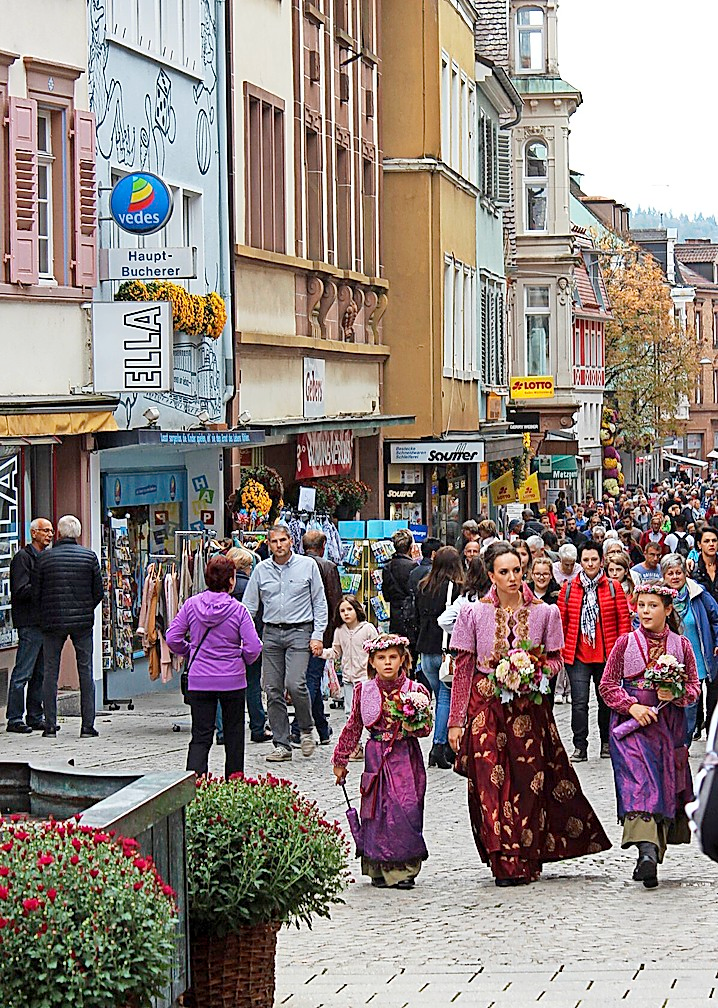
{"x": 393, "y": 784}
{"x": 650, "y": 763}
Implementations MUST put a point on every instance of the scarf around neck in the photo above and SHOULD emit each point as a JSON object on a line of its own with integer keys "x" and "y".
{"x": 590, "y": 612}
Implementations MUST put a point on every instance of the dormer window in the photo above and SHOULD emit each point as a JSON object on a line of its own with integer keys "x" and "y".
{"x": 535, "y": 186}
{"x": 530, "y": 47}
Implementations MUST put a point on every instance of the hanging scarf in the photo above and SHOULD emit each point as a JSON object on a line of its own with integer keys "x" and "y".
{"x": 590, "y": 612}
{"x": 682, "y": 603}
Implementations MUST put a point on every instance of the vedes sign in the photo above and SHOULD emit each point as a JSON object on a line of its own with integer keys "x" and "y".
{"x": 141, "y": 203}
{"x": 532, "y": 387}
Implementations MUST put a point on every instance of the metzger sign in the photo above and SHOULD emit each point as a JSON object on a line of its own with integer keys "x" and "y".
{"x": 141, "y": 203}
{"x": 532, "y": 387}
{"x": 438, "y": 452}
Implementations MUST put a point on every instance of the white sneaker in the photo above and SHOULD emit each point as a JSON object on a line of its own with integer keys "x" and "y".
{"x": 279, "y": 754}
{"x": 307, "y": 743}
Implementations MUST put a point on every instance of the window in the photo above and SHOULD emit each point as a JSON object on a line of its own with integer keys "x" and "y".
{"x": 170, "y": 29}
{"x": 530, "y": 40}
{"x": 314, "y": 190}
{"x": 715, "y": 388}
{"x": 341, "y": 15}
{"x": 460, "y": 350}
{"x": 445, "y": 109}
{"x": 715, "y": 330}
{"x": 489, "y": 157}
{"x": 264, "y": 188}
{"x": 45, "y": 164}
{"x": 535, "y": 185}
{"x": 538, "y": 330}
{"x": 458, "y": 116}
{"x": 344, "y": 208}
{"x": 493, "y": 333}
{"x": 368, "y": 193}
{"x": 697, "y": 324}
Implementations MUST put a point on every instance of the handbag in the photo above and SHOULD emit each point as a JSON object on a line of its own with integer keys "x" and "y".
{"x": 446, "y": 671}
{"x": 184, "y": 677}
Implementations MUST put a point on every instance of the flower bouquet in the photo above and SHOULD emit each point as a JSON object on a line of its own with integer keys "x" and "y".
{"x": 665, "y": 672}
{"x": 413, "y": 710}
{"x": 521, "y": 671}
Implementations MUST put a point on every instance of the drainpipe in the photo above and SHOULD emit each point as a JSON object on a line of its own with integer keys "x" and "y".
{"x": 225, "y": 134}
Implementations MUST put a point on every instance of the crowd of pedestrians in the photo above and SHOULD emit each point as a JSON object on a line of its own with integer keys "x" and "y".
{"x": 607, "y": 591}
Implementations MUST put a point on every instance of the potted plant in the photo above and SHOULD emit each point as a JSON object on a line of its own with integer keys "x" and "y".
{"x": 84, "y": 918}
{"x": 259, "y": 855}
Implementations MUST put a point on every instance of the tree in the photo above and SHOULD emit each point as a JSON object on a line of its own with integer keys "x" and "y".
{"x": 651, "y": 361}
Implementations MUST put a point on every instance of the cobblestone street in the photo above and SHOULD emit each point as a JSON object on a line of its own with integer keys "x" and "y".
{"x": 585, "y": 935}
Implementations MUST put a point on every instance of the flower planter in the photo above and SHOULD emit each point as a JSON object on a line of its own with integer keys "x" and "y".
{"x": 235, "y": 971}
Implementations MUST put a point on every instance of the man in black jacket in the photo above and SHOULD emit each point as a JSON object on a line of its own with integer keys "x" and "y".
{"x": 395, "y": 580}
{"x": 26, "y": 620}
{"x": 67, "y": 587}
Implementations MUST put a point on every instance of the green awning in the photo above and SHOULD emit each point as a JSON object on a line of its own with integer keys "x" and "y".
{"x": 563, "y": 467}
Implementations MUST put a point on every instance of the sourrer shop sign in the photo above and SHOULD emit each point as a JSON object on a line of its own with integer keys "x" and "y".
{"x": 438, "y": 452}
{"x": 324, "y": 453}
{"x": 141, "y": 203}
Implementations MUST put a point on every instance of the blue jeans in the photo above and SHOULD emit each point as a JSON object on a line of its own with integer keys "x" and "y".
{"x": 315, "y": 674}
{"x": 581, "y": 675}
{"x": 253, "y": 697}
{"x": 691, "y": 719}
{"x": 53, "y": 643}
{"x": 28, "y": 672}
{"x": 430, "y": 665}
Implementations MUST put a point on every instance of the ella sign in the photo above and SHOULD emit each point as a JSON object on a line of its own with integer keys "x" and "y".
{"x": 132, "y": 346}
{"x": 141, "y": 203}
{"x": 324, "y": 453}
{"x": 314, "y": 382}
{"x": 532, "y": 387}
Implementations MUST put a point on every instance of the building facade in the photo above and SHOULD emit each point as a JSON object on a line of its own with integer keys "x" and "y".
{"x": 310, "y": 291}
{"x": 442, "y": 111}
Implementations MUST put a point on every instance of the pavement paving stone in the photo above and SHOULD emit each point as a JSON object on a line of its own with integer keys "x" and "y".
{"x": 456, "y": 931}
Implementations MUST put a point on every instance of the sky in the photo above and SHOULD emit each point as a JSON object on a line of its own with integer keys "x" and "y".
{"x": 646, "y": 133}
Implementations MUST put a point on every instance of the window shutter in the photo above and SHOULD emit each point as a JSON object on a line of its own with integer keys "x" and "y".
{"x": 85, "y": 201}
{"x": 505, "y": 184}
{"x": 22, "y": 145}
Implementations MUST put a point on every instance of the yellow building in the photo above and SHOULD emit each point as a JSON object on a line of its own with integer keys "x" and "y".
{"x": 434, "y": 185}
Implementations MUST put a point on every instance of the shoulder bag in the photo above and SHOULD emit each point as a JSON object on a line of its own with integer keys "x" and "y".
{"x": 184, "y": 677}
{"x": 446, "y": 672}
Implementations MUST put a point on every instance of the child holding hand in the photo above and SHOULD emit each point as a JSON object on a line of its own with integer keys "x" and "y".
{"x": 397, "y": 713}
{"x": 348, "y": 649}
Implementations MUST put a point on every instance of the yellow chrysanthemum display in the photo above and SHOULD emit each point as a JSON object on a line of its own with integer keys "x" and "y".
{"x": 195, "y": 314}
{"x": 254, "y": 496}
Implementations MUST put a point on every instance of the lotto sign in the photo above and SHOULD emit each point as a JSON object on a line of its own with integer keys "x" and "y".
{"x": 532, "y": 387}
{"x": 141, "y": 203}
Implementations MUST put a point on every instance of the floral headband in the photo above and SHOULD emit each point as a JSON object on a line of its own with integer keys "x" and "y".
{"x": 384, "y": 642}
{"x": 654, "y": 588}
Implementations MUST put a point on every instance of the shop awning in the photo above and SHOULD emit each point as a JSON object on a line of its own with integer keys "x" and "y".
{"x": 682, "y": 460}
{"x": 29, "y": 425}
{"x": 712, "y": 455}
{"x": 362, "y": 421}
{"x": 563, "y": 466}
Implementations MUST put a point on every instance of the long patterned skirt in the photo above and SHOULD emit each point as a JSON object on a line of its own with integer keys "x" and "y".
{"x": 525, "y": 801}
{"x": 392, "y": 810}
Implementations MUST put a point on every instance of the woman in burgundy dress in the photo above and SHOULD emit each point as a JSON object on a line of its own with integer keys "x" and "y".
{"x": 525, "y": 802}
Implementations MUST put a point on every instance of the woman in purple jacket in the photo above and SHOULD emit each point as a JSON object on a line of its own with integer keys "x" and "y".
{"x": 222, "y": 641}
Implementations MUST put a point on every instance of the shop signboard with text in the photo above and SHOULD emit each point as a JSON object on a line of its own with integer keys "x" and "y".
{"x": 132, "y": 346}
{"x": 141, "y": 203}
{"x": 148, "y": 264}
{"x": 130, "y": 489}
{"x": 324, "y": 453}
{"x": 438, "y": 452}
{"x": 313, "y": 388}
{"x": 532, "y": 387}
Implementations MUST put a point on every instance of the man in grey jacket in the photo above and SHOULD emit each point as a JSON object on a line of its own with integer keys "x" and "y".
{"x": 290, "y": 590}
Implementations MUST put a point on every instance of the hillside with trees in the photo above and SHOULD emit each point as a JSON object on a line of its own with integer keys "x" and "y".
{"x": 688, "y": 227}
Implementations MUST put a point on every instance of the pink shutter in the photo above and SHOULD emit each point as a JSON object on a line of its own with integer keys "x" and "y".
{"x": 22, "y": 137}
{"x": 85, "y": 202}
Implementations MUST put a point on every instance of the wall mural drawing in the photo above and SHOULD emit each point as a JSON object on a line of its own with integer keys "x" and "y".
{"x": 136, "y": 99}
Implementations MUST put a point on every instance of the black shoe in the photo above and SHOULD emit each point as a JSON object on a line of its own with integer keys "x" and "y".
{"x": 449, "y": 753}
{"x": 579, "y": 756}
{"x": 407, "y": 883}
{"x": 697, "y": 734}
{"x": 265, "y": 737}
{"x": 506, "y": 883}
{"x": 605, "y": 750}
{"x": 49, "y": 733}
{"x": 40, "y": 725}
{"x": 378, "y": 883}
{"x": 220, "y": 740}
{"x": 89, "y": 733}
{"x": 646, "y": 871}
{"x": 327, "y": 740}
{"x": 19, "y": 728}
{"x": 437, "y": 757}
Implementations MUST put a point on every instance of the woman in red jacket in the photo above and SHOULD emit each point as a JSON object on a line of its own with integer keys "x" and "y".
{"x": 594, "y": 613}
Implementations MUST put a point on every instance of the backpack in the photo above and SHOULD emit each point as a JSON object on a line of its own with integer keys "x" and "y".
{"x": 409, "y": 617}
{"x": 682, "y": 547}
